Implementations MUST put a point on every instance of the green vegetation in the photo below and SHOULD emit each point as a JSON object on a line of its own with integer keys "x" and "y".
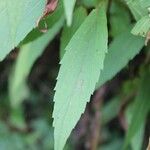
{"x": 98, "y": 50}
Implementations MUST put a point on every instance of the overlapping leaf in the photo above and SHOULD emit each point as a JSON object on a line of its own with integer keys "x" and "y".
{"x": 79, "y": 73}
{"x": 139, "y": 8}
{"x": 69, "y": 7}
{"x": 121, "y": 50}
{"x": 78, "y": 18}
{"x": 142, "y": 26}
{"x": 29, "y": 52}
{"x": 90, "y": 3}
{"x": 119, "y": 18}
{"x": 17, "y": 21}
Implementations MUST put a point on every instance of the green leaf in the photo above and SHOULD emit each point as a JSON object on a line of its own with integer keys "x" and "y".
{"x": 141, "y": 108}
{"x": 119, "y": 18}
{"x": 138, "y": 7}
{"x": 124, "y": 48}
{"x": 29, "y": 53}
{"x": 137, "y": 140}
{"x": 80, "y": 67}
{"x": 69, "y": 7}
{"x": 17, "y": 21}
{"x": 142, "y": 26}
{"x": 50, "y": 20}
{"x": 89, "y": 3}
{"x": 78, "y": 18}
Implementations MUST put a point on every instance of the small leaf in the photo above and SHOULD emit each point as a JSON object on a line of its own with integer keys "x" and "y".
{"x": 138, "y": 8}
{"x": 142, "y": 26}
{"x": 80, "y": 67}
{"x": 124, "y": 48}
{"x": 29, "y": 52}
{"x": 78, "y": 18}
{"x": 69, "y": 7}
{"x": 17, "y": 21}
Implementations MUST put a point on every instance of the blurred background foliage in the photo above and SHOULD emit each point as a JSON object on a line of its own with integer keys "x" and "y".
{"x": 118, "y": 114}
